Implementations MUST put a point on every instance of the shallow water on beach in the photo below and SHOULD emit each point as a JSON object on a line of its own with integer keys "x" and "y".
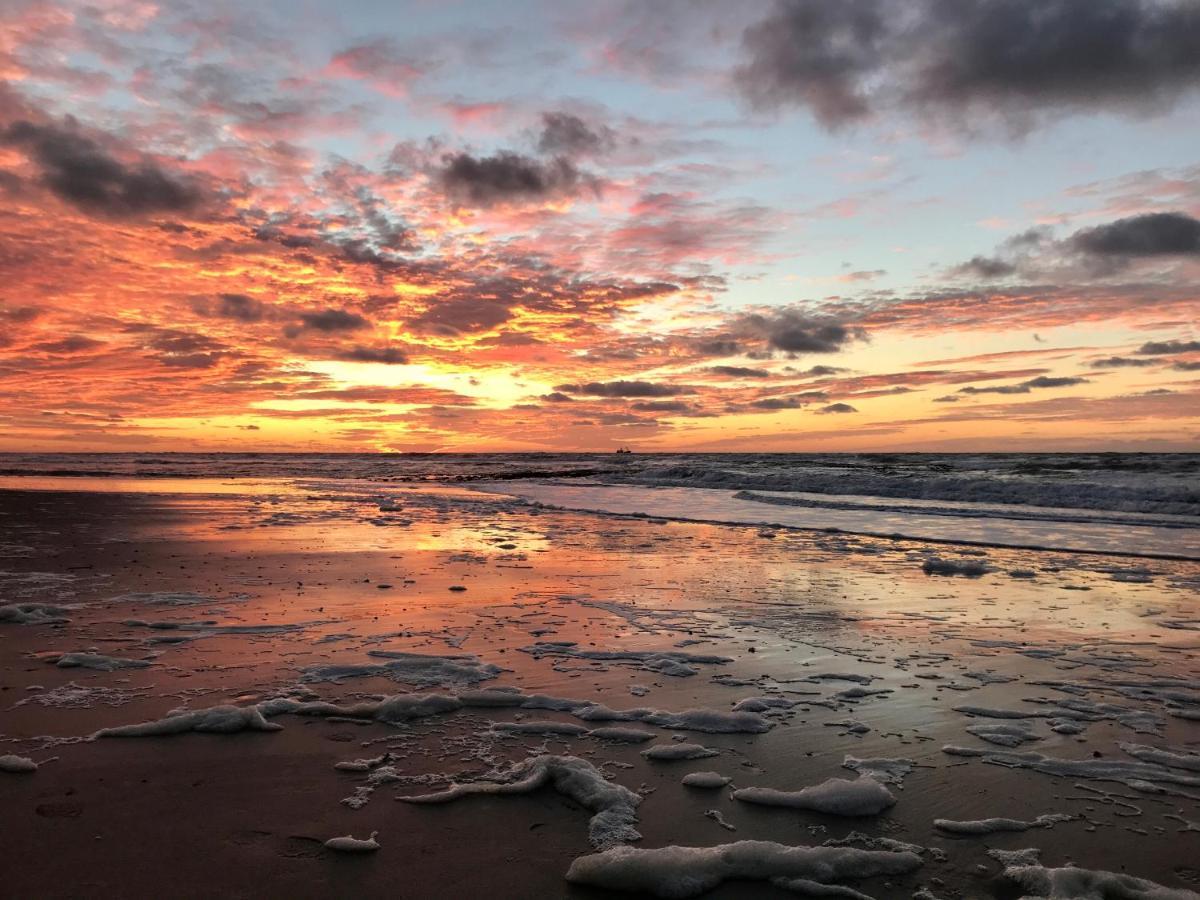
{"x": 850, "y": 647}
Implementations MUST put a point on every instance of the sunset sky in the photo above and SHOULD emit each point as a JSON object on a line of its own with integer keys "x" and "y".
{"x": 361, "y": 226}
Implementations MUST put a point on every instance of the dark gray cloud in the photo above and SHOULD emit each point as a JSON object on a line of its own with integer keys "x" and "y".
{"x": 510, "y": 177}
{"x": 1167, "y": 348}
{"x": 463, "y": 315}
{"x": 1024, "y": 387}
{"x": 837, "y": 408}
{"x": 1187, "y": 366}
{"x": 177, "y": 349}
{"x": 624, "y": 389}
{"x": 1102, "y": 250}
{"x": 663, "y": 406}
{"x": 986, "y": 267}
{"x": 822, "y": 371}
{"x": 232, "y": 306}
{"x": 964, "y": 61}
{"x": 392, "y": 356}
{"x": 75, "y": 343}
{"x": 19, "y": 314}
{"x": 793, "y": 332}
{"x": 564, "y": 134}
{"x": 332, "y": 320}
{"x": 793, "y": 402}
{"x": 1153, "y": 234}
{"x": 1121, "y": 362}
{"x": 78, "y": 170}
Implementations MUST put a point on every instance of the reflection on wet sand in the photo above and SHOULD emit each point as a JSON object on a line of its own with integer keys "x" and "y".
{"x": 279, "y": 664}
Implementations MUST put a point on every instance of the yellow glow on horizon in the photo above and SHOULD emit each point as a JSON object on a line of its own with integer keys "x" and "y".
{"x": 496, "y": 387}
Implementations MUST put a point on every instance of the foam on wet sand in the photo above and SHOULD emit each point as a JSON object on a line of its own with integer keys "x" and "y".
{"x": 613, "y": 807}
{"x": 863, "y": 796}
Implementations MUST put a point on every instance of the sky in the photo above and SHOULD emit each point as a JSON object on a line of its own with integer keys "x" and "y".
{"x": 866, "y": 225}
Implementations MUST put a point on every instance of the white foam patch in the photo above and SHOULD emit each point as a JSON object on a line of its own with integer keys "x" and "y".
{"x": 97, "y": 661}
{"x": 401, "y": 708}
{"x": 1148, "y": 777}
{"x": 884, "y": 769}
{"x": 418, "y": 669}
{"x": 34, "y": 614}
{"x": 678, "y": 872}
{"x": 1028, "y": 856}
{"x": 17, "y": 765}
{"x": 1090, "y": 884}
{"x": 622, "y": 735}
{"x": 763, "y": 704}
{"x": 80, "y": 696}
{"x": 1174, "y": 758}
{"x": 835, "y": 797}
{"x": 673, "y": 752}
{"x": 1004, "y": 735}
{"x": 613, "y": 806}
{"x": 997, "y": 825}
{"x": 215, "y": 719}
{"x": 1142, "y": 721}
{"x": 348, "y": 844}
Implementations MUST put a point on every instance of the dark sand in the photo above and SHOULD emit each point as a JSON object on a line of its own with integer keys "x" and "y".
{"x": 201, "y": 815}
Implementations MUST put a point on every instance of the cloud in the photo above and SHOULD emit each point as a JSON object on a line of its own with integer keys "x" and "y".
{"x": 391, "y": 356}
{"x": 986, "y": 267}
{"x": 381, "y": 64}
{"x": 508, "y": 178}
{"x": 663, "y": 406}
{"x": 75, "y": 343}
{"x": 837, "y": 408}
{"x": 233, "y": 306}
{"x": 1024, "y": 387}
{"x": 564, "y": 134}
{"x": 822, "y": 371}
{"x": 965, "y": 62}
{"x": 739, "y": 372}
{"x": 795, "y": 401}
{"x": 1167, "y": 348}
{"x": 1187, "y": 366}
{"x": 463, "y": 314}
{"x": 78, "y": 170}
{"x": 792, "y": 332}
{"x": 332, "y": 320}
{"x": 1121, "y": 362}
{"x": 1100, "y": 251}
{"x": 1153, "y": 234}
{"x": 624, "y": 389}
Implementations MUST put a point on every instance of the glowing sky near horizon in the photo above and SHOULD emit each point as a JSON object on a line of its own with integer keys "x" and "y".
{"x": 361, "y": 226}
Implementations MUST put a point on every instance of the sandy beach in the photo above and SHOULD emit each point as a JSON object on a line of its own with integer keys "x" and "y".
{"x": 964, "y": 684}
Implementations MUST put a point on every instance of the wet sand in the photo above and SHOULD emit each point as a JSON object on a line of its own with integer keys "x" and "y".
{"x": 1105, "y": 646}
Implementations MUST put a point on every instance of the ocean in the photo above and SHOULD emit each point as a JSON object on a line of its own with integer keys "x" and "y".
{"x": 1133, "y": 504}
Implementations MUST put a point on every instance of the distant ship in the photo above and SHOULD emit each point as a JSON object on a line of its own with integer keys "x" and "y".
{"x": 623, "y": 450}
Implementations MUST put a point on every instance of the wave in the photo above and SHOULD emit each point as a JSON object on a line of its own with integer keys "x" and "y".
{"x": 981, "y": 511}
{"x": 1170, "y": 495}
